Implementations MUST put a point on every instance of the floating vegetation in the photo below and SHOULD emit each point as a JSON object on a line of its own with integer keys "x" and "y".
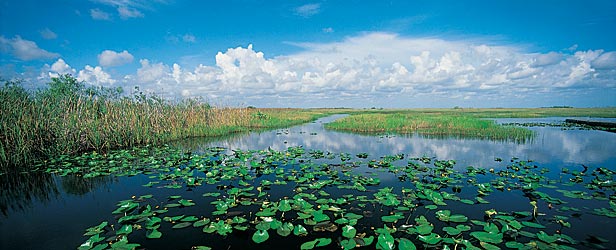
{"x": 311, "y": 199}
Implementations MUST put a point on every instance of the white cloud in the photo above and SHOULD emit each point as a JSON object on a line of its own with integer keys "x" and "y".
{"x": 95, "y": 76}
{"x": 151, "y": 72}
{"x": 127, "y": 12}
{"x": 110, "y": 58}
{"x": 60, "y": 67}
{"x": 189, "y": 38}
{"x": 380, "y": 69}
{"x": 308, "y": 10}
{"x": 98, "y": 14}
{"x": 48, "y": 34}
{"x": 605, "y": 61}
{"x": 328, "y": 30}
{"x": 24, "y": 49}
{"x": 130, "y": 8}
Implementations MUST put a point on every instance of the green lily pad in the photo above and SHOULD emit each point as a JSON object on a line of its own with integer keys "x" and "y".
{"x": 320, "y": 242}
{"x": 406, "y": 244}
{"x": 385, "y": 242}
{"x": 300, "y": 230}
{"x": 285, "y": 229}
{"x": 126, "y": 229}
{"x": 153, "y": 234}
{"x": 349, "y": 231}
{"x": 532, "y": 224}
{"x": 182, "y": 225}
{"x": 260, "y": 236}
{"x": 495, "y": 238}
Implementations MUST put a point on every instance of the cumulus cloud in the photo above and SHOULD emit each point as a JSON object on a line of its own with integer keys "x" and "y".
{"x": 48, "y": 34}
{"x": 377, "y": 68}
{"x": 98, "y": 14}
{"x": 151, "y": 72}
{"x": 308, "y": 10}
{"x": 60, "y": 67}
{"x": 605, "y": 61}
{"x": 24, "y": 49}
{"x": 95, "y": 76}
{"x": 110, "y": 58}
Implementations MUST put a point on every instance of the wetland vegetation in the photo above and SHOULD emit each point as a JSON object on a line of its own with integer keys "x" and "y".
{"x": 70, "y": 118}
{"x": 74, "y": 141}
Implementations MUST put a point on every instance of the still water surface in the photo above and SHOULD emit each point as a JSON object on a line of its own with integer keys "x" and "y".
{"x": 42, "y": 211}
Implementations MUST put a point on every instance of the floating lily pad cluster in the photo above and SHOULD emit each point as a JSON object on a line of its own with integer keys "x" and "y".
{"x": 343, "y": 201}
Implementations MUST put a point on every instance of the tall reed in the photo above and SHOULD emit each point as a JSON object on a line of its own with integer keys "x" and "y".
{"x": 69, "y": 118}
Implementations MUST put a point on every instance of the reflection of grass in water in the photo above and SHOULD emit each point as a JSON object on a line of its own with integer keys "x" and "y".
{"x": 461, "y": 126}
{"x": 19, "y": 190}
{"x": 77, "y": 185}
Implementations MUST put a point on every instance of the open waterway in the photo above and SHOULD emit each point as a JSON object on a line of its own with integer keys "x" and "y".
{"x": 42, "y": 210}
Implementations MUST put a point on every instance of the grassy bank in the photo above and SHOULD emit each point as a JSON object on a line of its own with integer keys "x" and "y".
{"x": 429, "y": 124}
{"x": 456, "y": 122}
{"x": 609, "y": 112}
{"x": 69, "y": 118}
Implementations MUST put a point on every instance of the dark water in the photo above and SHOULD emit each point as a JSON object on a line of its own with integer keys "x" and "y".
{"x": 42, "y": 211}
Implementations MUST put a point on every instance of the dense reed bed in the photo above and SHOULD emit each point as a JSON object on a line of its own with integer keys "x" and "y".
{"x": 429, "y": 124}
{"x": 68, "y": 118}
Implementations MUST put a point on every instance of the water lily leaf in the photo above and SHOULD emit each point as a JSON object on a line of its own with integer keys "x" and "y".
{"x": 392, "y": 218}
{"x": 320, "y": 216}
{"x": 200, "y": 248}
{"x": 153, "y": 234}
{"x": 467, "y": 201}
{"x": 495, "y": 238}
{"x": 424, "y": 229}
{"x": 284, "y": 205}
{"x": 186, "y": 203}
{"x": 431, "y": 238}
{"x": 189, "y": 219}
{"x": 260, "y": 236}
{"x": 490, "y": 228}
{"x": 88, "y": 244}
{"x": 532, "y": 224}
{"x": 488, "y": 246}
{"x": 347, "y": 244}
{"x": 201, "y": 222}
{"x": 349, "y": 231}
{"x": 285, "y": 229}
{"x": 458, "y": 218}
{"x": 385, "y": 242}
{"x": 452, "y": 231}
{"x": 514, "y": 244}
{"x": 123, "y": 244}
{"x": 316, "y": 243}
{"x": 181, "y": 225}
{"x": 300, "y": 230}
{"x": 126, "y": 229}
{"x": 406, "y": 244}
{"x": 546, "y": 238}
{"x": 96, "y": 229}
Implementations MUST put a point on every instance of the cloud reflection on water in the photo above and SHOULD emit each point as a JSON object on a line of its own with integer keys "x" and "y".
{"x": 552, "y": 146}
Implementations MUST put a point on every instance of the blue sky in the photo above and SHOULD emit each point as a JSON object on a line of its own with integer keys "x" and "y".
{"x": 322, "y": 53}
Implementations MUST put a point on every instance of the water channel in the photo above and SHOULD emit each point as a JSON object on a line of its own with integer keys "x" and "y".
{"x": 44, "y": 211}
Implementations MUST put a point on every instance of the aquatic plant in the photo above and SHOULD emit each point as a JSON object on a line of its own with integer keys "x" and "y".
{"x": 260, "y": 196}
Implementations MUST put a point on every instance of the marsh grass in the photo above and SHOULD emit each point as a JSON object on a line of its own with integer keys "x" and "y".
{"x": 430, "y": 124}
{"x": 68, "y": 118}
